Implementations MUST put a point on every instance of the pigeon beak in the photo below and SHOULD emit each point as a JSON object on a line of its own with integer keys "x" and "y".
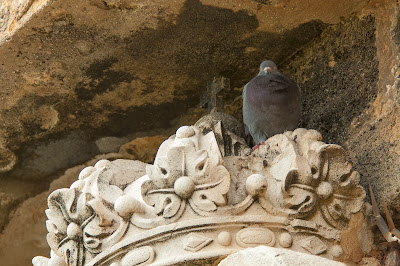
{"x": 267, "y": 69}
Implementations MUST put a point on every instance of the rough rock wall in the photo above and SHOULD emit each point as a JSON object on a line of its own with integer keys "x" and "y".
{"x": 83, "y": 77}
{"x": 82, "y": 71}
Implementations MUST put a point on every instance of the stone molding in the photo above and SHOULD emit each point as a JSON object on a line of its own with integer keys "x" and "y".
{"x": 293, "y": 192}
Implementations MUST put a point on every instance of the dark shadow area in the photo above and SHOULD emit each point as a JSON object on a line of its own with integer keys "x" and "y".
{"x": 338, "y": 75}
{"x": 206, "y": 41}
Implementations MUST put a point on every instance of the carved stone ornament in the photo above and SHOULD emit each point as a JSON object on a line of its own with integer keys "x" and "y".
{"x": 293, "y": 192}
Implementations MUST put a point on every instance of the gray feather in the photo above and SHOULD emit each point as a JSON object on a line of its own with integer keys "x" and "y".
{"x": 271, "y": 103}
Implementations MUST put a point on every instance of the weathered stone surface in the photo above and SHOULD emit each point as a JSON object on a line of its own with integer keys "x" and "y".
{"x": 190, "y": 205}
{"x": 263, "y": 255}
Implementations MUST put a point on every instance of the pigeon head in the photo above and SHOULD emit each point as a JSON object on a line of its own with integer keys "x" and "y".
{"x": 267, "y": 67}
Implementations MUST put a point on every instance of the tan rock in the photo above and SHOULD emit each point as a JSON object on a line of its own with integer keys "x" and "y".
{"x": 143, "y": 149}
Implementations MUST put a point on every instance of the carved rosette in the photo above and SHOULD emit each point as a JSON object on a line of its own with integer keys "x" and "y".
{"x": 318, "y": 177}
{"x": 188, "y": 169}
{"x": 293, "y": 192}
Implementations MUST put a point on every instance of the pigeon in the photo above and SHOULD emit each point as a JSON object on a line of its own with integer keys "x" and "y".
{"x": 271, "y": 104}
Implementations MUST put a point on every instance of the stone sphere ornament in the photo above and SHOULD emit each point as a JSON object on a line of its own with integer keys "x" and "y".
{"x": 185, "y": 132}
{"x": 324, "y": 190}
{"x": 256, "y": 185}
{"x": 224, "y": 238}
{"x": 126, "y": 205}
{"x": 336, "y": 251}
{"x": 74, "y": 231}
{"x": 184, "y": 187}
{"x": 285, "y": 240}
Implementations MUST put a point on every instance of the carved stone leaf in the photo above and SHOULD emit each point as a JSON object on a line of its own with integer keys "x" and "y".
{"x": 348, "y": 185}
{"x": 338, "y": 211}
{"x": 66, "y": 206}
{"x": 57, "y": 228}
{"x": 56, "y": 224}
{"x": 297, "y": 200}
{"x": 333, "y": 164}
{"x": 348, "y": 197}
{"x": 104, "y": 228}
{"x": 73, "y": 253}
{"x": 107, "y": 191}
{"x": 168, "y": 205}
{"x": 53, "y": 240}
{"x": 158, "y": 175}
{"x": 164, "y": 176}
{"x": 105, "y": 223}
{"x": 73, "y": 205}
{"x": 208, "y": 197}
{"x": 301, "y": 201}
{"x": 199, "y": 167}
{"x": 176, "y": 163}
{"x": 94, "y": 233}
{"x": 298, "y": 191}
{"x": 165, "y": 202}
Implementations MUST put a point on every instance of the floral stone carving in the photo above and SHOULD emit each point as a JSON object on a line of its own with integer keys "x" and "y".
{"x": 293, "y": 192}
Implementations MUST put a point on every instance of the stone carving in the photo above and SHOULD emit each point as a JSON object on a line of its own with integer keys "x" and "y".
{"x": 224, "y": 238}
{"x": 264, "y": 256}
{"x": 293, "y": 192}
{"x": 285, "y": 240}
{"x": 139, "y": 256}
{"x": 195, "y": 242}
{"x": 252, "y": 237}
{"x": 313, "y": 245}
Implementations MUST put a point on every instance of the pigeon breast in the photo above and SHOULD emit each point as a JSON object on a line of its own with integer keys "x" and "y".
{"x": 271, "y": 105}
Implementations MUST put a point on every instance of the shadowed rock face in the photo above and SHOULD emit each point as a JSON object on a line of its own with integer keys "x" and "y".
{"x": 65, "y": 76}
{"x": 338, "y": 81}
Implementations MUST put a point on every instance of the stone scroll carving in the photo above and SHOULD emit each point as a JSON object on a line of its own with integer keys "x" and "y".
{"x": 293, "y": 192}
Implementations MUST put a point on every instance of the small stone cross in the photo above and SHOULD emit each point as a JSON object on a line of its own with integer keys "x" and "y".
{"x": 215, "y": 85}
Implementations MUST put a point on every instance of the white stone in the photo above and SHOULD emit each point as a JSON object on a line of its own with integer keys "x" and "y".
{"x": 179, "y": 209}
{"x": 14, "y": 14}
{"x": 268, "y": 256}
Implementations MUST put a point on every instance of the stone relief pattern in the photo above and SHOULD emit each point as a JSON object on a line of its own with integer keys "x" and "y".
{"x": 301, "y": 184}
{"x": 81, "y": 220}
